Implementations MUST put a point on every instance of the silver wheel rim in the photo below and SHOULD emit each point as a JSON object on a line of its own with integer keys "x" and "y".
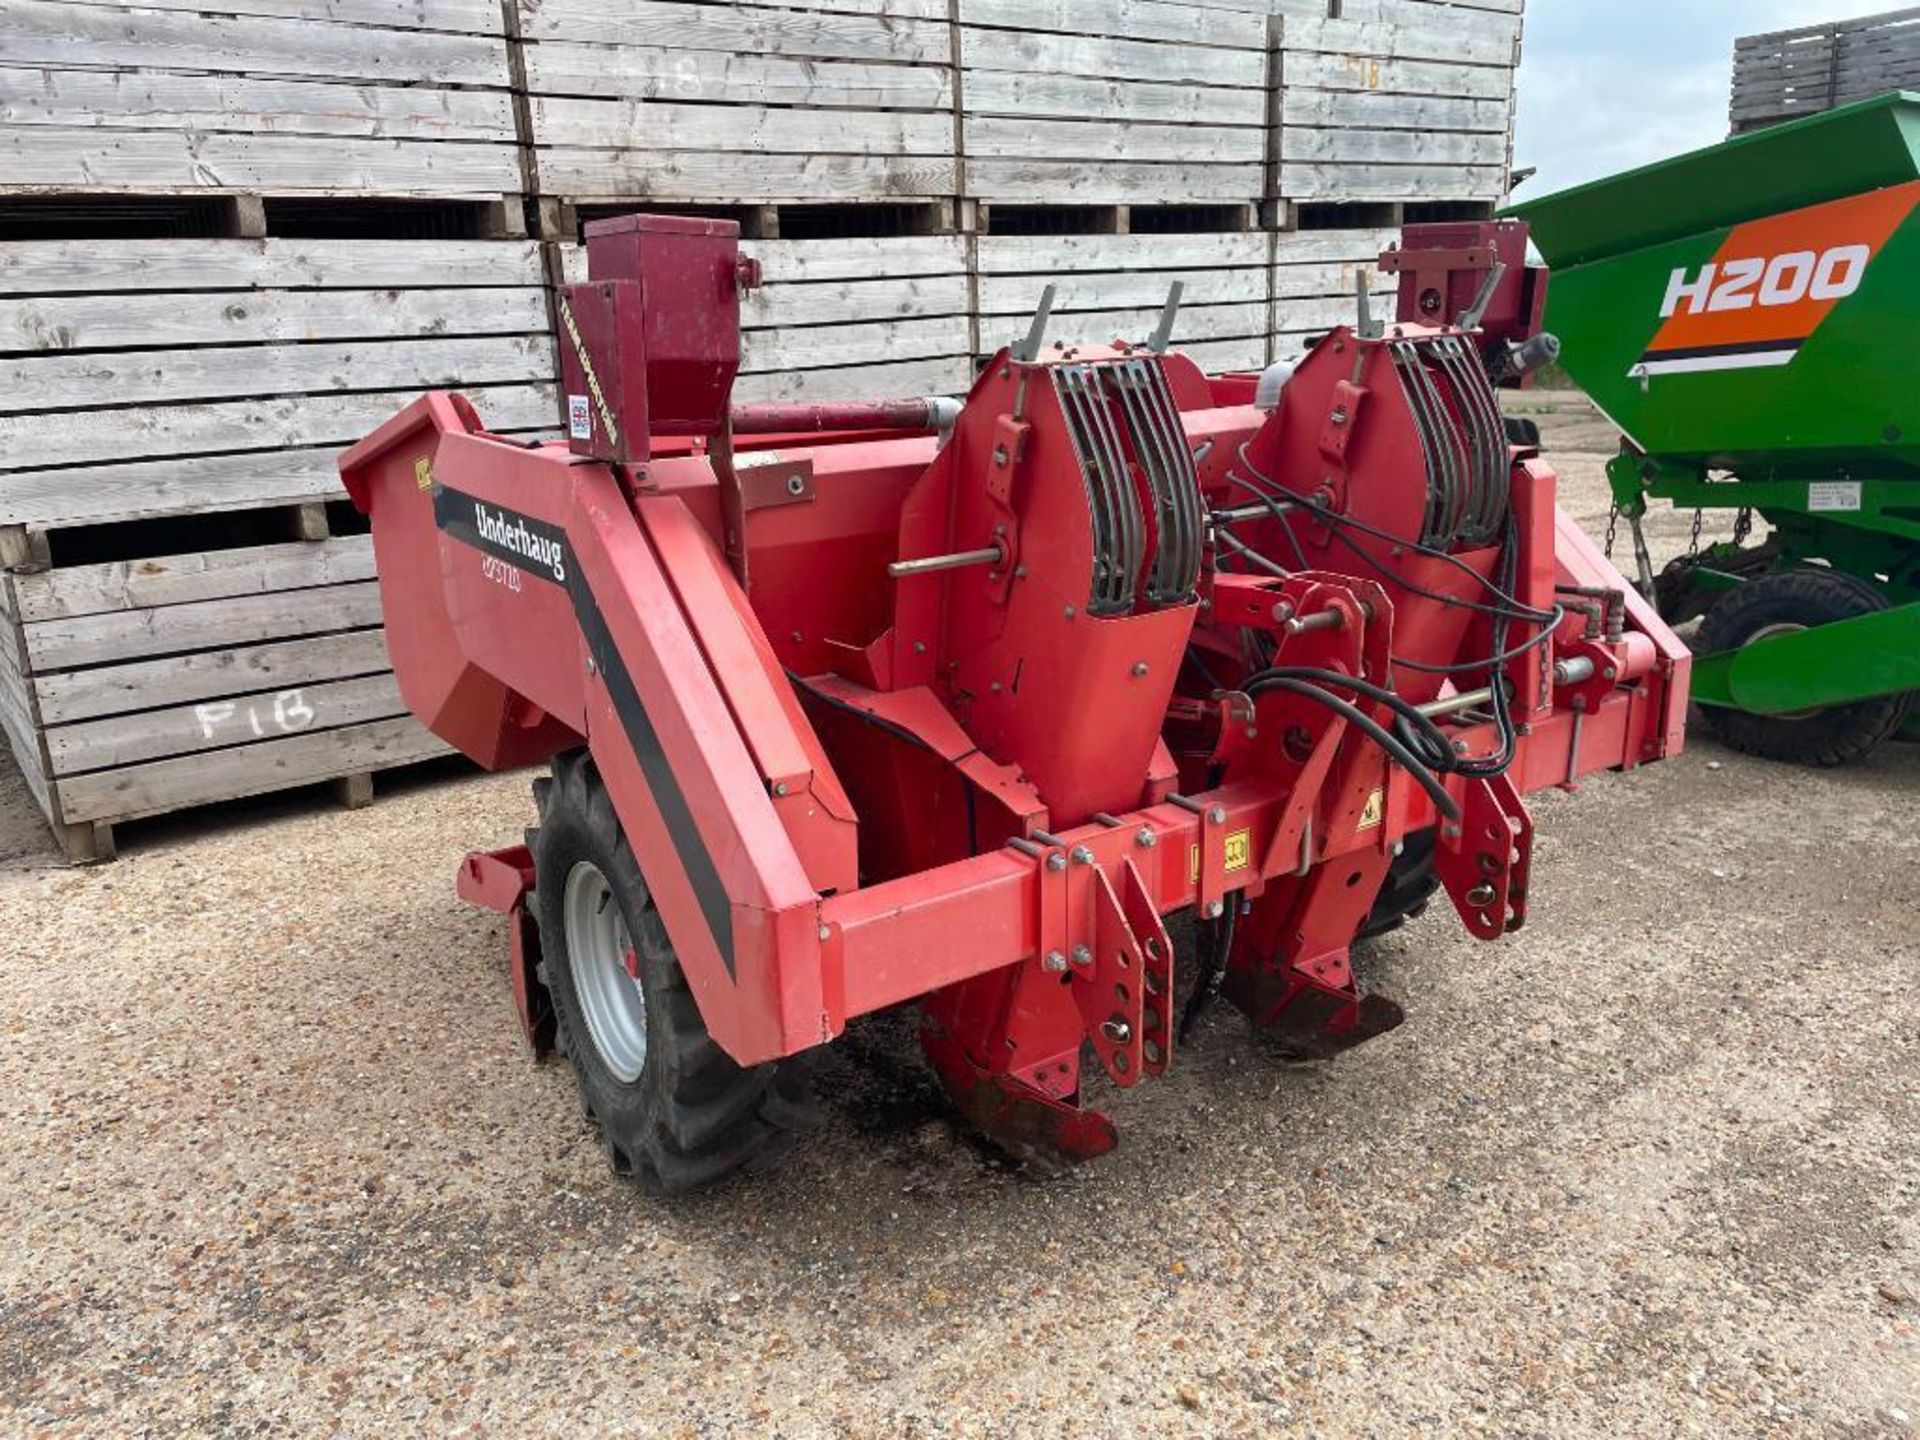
{"x": 597, "y": 950}
{"x": 1767, "y": 632}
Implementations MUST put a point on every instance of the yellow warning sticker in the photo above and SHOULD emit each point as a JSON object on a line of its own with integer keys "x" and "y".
{"x": 423, "y": 472}
{"x": 1239, "y": 854}
{"x": 1375, "y": 811}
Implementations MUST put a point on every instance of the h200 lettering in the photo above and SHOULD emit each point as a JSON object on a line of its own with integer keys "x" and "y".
{"x": 1783, "y": 280}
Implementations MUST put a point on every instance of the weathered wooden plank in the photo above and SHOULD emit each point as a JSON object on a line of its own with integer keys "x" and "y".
{"x": 739, "y": 29}
{"x": 944, "y": 376}
{"x": 216, "y": 724}
{"x": 1119, "y": 290}
{"x": 123, "y": 321}
{"x": 660, "y": 72}
{"x": 105, "y": 638}
{"x": 1317, "y": 247}
{"x": 139, "y": 432}
{"x": 207, "y": 104}
{"x": 1122, "y": 140}
{"x": 155, "y": 377}
{"x": 75, "y": 590}
{"x": 29, "y": 267}
{"x": 1071, "y": 97}
{"x": 463, "y": 17}
{"x": 1075, "y": 182}
{"x": 845, "y": 301}
{"x": 1399, "y": 40}
{"x": 1305, "y": 181}
{"x": 646, "y": 125}
{"x": 1061, "y": 254}
{"x": 1308, "y": 282}
{"x": 1314, "y": 316}
{"x": 87, "y": 158}
{"x": 61, "y": 36}
{"x": 874, "y": 342}
{"x": 1392, "y": 147}
{"x": 1383, "y": 110}
{"x": 77, "y": 695}
{"x": 683, "y": 175}
{"x": 202, "y": 483}
{"x": 1070, "y": 54}
{"x": 1126, "y": 19}
{"x": 163, "y": 785}
{"x": 143, "y": 377}
{"x": 1398, "y": 77}
{"x": 22, "y": 732}
{"x": 1499, "y": 21}
{"x": 789, "y": 262}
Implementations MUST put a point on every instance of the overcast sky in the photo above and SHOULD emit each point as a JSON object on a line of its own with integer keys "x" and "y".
{"x": 1610, "y": 84}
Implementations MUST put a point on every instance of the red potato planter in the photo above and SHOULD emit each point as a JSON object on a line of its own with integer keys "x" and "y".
{"x": 859, "y": 706}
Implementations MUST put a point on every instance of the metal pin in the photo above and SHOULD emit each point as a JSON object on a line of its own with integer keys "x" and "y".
{"x": 959, "y": 560}
{"x": 1028, "y": 350}
{"x": 1163, "y": 332}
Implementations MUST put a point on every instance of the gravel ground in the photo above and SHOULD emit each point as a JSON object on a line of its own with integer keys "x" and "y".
{"x": 273, "y": 1161}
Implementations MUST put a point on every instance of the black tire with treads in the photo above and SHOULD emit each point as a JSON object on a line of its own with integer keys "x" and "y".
{"x": 1806, "y": 598}
{"x": 692, "y": 1116}
{"x": 1408, "y": 888}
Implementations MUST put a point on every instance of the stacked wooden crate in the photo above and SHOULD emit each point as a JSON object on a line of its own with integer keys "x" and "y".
{"x": 826, "y": 127}
{"x": 236, "y": 237}
{"x": 1111, "y": 102}
{"x": 256, "y": 97}
{"x": 1790, "y": 74}
{"x": 1396, "y": 100}
{"x": 230, "y": 244}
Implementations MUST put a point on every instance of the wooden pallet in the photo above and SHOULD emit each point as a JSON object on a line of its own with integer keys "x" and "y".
{"x": 1111, "y": 101}
{"x": 807, "y": 100}
{"x": 354, "y": 97}
{"x": 138, "y": 687}
{"x": 1398, "y": 100}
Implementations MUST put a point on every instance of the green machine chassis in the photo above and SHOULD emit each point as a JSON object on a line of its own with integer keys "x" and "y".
{"x": 1749, "y": 316}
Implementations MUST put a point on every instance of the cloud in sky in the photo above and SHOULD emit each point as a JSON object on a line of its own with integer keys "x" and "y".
{"x": 1608, "y": 86}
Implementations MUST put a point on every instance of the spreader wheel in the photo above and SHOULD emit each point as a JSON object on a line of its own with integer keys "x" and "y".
{"x": 672, "y": 1109}
{"x": 1781, "y": 603}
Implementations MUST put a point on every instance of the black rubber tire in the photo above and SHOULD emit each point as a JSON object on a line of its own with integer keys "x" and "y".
{"x": 1409, "y": 887}
{"x": 1810, "y": 597}
{"x": 692, "y": 1116}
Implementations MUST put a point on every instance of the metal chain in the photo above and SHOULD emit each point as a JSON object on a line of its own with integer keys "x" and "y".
{"x": 1743, "y": 525}
{"x": 1693, "y": 541}
{"x": 1613, "y": 527}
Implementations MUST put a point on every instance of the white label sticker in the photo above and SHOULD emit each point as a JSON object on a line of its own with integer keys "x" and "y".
{"x": 579, "y": 418}
{"x": 1833, "y": 495}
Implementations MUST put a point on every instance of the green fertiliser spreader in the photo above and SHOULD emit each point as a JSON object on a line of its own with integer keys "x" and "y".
{"x": 1749, "y": 316}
